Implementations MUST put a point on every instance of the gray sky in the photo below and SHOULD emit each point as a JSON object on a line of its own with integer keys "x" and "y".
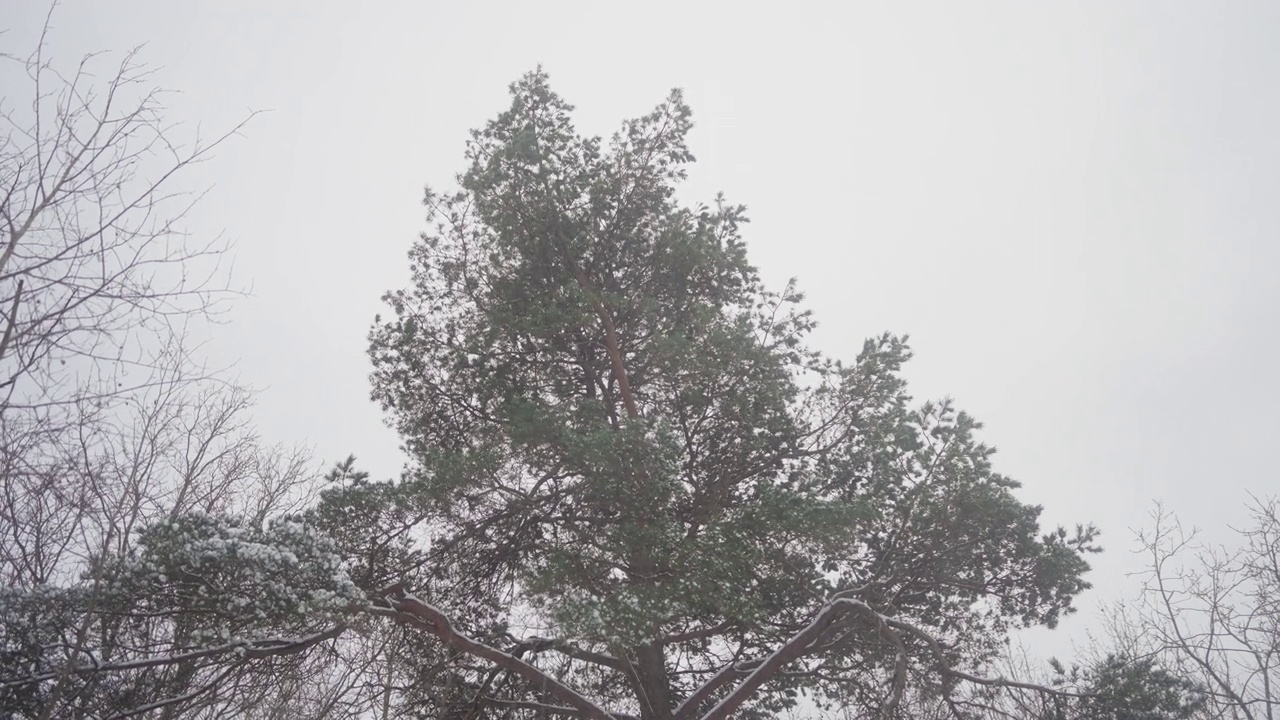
{"x": 1072, "y": 207}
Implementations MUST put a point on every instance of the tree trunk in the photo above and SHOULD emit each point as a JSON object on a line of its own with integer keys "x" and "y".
{"x": 651, "y": 666}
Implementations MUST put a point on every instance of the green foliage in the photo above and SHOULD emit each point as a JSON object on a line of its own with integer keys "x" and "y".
{"x": 1139, "y": 690}
{"x": 616, "y": 428}
{"x": 1124, "y": 688}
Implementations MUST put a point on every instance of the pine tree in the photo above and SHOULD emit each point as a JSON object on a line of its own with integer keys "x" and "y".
{"x": 621, "y": 438}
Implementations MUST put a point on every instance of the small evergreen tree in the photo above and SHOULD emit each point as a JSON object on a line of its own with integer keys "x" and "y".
{"x": 1122, "y": 688}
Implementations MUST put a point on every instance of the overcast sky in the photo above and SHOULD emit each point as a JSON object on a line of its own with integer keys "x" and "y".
{"x": 1073, "y": 208}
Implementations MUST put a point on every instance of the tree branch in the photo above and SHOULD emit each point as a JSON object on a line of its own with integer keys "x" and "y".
{"x": 178, "y": 699}
{"x": 791, "y": 650}
{"x": 547, "y": 708}
{"x": 611, "y": 344}
{"x": 943, "y": 667}
{"x": 12, "y": 320}
{"x": 568, "y": 649}
{"x": 413, "y": 611}
{"x": 252, "y": 649}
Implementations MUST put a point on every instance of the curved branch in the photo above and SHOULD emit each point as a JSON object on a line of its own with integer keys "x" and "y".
{"x": 943, "y": 667}
{"x": 770, "y": 666}
{"x": 413, "y": 611}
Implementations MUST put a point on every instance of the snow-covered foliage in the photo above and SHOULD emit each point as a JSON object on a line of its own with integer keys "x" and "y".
{"x": 208, "y": 588}
{"x": 226, "y": 579}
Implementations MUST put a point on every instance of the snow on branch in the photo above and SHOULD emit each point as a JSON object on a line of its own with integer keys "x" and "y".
{"x": 840, "y": 608}
{"x": 568, "y": 649}
{"x": 246, "y": 649}
{"x": 413, "y": 611}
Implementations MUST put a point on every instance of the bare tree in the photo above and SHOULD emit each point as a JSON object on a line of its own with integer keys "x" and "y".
{"x": 96, "y": 273}
{"x": 97, "y": 283}
{"x": 107, "y": 421}
{"x": 1212, "y": 611}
